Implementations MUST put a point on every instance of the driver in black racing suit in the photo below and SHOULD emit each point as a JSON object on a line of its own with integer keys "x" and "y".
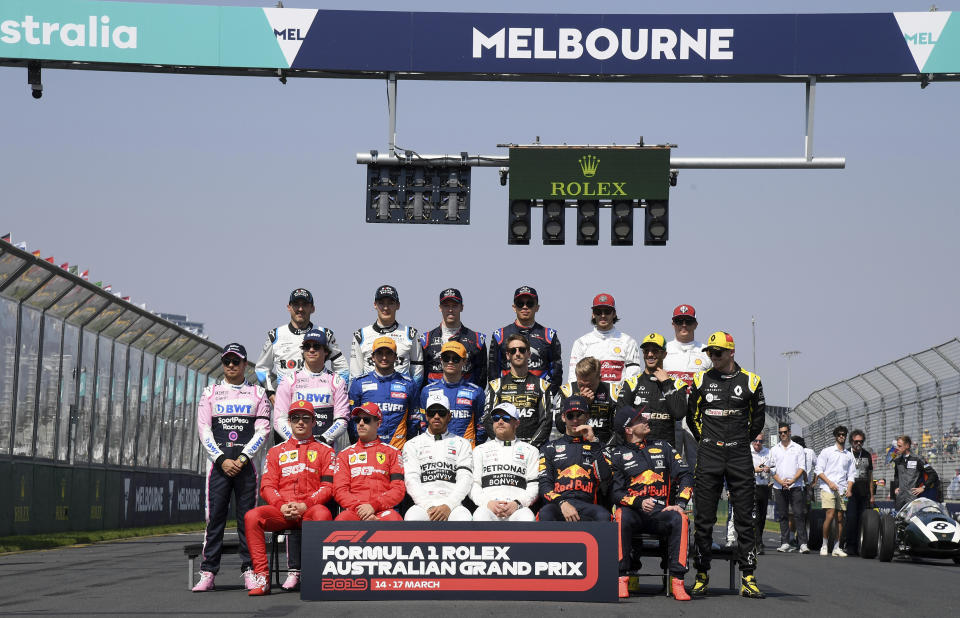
{"x": 664, "y": 398}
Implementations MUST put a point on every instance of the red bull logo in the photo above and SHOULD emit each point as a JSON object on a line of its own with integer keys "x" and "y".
{"x": 647, "y": 477}
{"x": 574, "y": 472}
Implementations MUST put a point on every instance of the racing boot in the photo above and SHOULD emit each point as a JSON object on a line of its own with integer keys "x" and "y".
{"x": 677, "y": 589}
{"x": 701, "y": 585}
{"x": 249, "y": 579}
{"x": 749, "y": 589}
{"x": 623, "y": 587}
{"x": 206, "y": 582}
{"x": 262, "y": 585}
{"x": 292, "y": 582}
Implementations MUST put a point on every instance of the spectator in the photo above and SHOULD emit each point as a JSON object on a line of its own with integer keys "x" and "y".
{"x": 788, "y": 492}
{"x": 762, "y": 469}
{"x": 861, "y": 497}
{"x": 953, "y": 492}
{"x": 810, "y": 478}
{"x": 836, "y": 470}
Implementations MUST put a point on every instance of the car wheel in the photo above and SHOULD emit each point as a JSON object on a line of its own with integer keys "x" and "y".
{"x": 815, "y": 519}
{"x": 888, "y": 538}
{"x": 869, "y": 534}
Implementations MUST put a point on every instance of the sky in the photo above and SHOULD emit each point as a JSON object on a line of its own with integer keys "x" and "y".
{"x": 216, "y": 196}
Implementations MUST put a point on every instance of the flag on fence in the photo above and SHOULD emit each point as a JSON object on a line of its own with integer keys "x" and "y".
{"x": 5, "y": 237}
{"x": 36, "y": 253}
{"x": 74, "y": 269}
{"x": 65, "y": 265}
{"x": 85, "y": 275}
{"x": 21, "y": 245}
{"x": 99, "y": 284}
{"x": 50, "y": 259}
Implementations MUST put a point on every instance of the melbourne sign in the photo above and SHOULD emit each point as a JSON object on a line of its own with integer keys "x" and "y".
{"x": 481, "y": 45}
{"x": 572, "y": 173}
{"x": 555, "y": 561}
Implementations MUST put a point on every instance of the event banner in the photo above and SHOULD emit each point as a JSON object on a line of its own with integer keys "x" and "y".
{"x": 481, "y": 45}
{"x": 555, "y": 561}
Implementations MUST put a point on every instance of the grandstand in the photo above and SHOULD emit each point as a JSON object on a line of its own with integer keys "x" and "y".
{"x": 97, "y": 404}
{"x": 917, "y": 395}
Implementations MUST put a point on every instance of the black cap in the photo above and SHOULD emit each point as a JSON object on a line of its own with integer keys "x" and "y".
{"x": 625, "y": 417}
{"x": 300, "y": 294}
{"x": 451, "y": 294}
{"x": 526, "y": 290}
{"x": 386, "y": 291}
{"x": 234, "y": 348}
{"x": 576, "y": 402}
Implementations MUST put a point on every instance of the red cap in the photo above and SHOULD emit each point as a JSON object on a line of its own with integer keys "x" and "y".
{"x": 604, "y": 300}
{"x": 368, "y": 408}
{"x": 301, "y": 405}
{"x": 685, "y": 310}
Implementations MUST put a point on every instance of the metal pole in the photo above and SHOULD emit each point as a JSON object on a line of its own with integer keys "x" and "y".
{"x": 788, "y": 355}
{"x": 753, "y": 327}
{"x": 392, "y": 107}
{"x": 715, "y": 163}
{"x": 810, "y": 99}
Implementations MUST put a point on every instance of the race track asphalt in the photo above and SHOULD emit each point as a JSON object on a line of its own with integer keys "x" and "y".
{"x": 147, "y": 577}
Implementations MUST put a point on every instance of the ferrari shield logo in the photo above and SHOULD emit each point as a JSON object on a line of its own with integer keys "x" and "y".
{"x": 311, "y": 456}
{"x": 381, "y": 458}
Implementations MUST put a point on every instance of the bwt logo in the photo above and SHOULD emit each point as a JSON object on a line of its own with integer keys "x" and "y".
{"x": 289, "y": 34}
{"x": 314, "y": 397}
{"x": 233, "y": 409}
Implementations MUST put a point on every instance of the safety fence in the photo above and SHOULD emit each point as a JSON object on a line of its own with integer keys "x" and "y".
{"x": 917, "y": 395}
{"x": 89, "y": 383}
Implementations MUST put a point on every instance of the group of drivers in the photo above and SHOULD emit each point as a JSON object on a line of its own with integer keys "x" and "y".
{"x": 478, "y": 430}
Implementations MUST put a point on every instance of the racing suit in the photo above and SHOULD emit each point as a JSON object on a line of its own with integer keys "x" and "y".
{"x": 396, "y": 395}
{"x": 475, "y": 369}
{"x": 409, "y": 353}
{"x": 617, "y": 352}
{"x": 531, "y": 396}
{"x": 231, "y": 420}
{"x": 504, "y": 470}
{"x": 438, "y": 469}
{"x": 327, "y": 393}
{"x": 466, "y": 408}
{"x": 649, "y": 469}
{"x": 545, "y": 357}
{"x": 665, "y": 401}
{"x": 725, "y": 412}
{"x": 296, "y": 471}
{"x": 910, "y": 471}
{"x": 602, "y": 408}
{"x": 568, "y": 474}
{"x": 369, "y": 473}
{"x": 682, "y": 361}
{"x": 281, "y": 355}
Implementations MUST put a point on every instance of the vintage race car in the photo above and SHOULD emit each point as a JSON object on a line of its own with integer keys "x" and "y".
{"x": 922, "y": 528}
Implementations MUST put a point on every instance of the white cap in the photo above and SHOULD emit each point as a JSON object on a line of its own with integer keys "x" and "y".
{"x": 437, "y": 398}
{"x": 506, "y": 408}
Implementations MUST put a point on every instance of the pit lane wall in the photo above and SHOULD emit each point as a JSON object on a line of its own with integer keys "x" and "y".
{"x": 97, "y": 405}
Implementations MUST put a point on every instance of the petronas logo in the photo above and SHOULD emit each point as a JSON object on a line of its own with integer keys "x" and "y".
{"x": 589, "y": 165}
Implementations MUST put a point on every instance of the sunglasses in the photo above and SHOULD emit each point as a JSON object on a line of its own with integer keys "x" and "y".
{"x": 573, "y": 415}
{"x": 367, "y": 420}
{"x": 782, "y": 433}
{"x": 841, "y": 435}
{"x": 450, "y": 358}
{"x": 231, "y": 361}
{"x": 296, "y": 418}
{"x": 511, "y": 351}
{"x": 757, "y": 441}
{"x": 714, "y": 352}
{"x": 525, "y": 304}
{"x": 602, "y": 310}
{"x": 312, "y": 346}
{"x": 506, "y": 418}
{"x": 684, "y": 321}
{"x": 438, "y": 412}
{"x": 857, "y": 441}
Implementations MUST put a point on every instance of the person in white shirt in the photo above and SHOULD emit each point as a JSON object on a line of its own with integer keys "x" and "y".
{"x": 685, "y": 357}
{"x": 505, "y": 471}
{"x": 836, "y": 471}
{"x": 617, "y": 352}
{"x": 438, "y": 468}
{"x": 762, "y": 469}
{"x": 787, "y": 462}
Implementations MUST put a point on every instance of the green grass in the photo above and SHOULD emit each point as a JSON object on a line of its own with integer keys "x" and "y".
{"x": 65, "y": 539}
